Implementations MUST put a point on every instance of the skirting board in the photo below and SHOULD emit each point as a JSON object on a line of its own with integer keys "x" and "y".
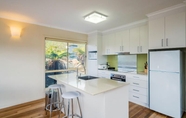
{"x": 21, "y": 105}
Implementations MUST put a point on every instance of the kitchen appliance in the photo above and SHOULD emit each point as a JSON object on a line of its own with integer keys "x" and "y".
{"x": 165, "y": 82}
{"x": 92, "y": 55}
{"x": 118, "y": 77}
{"x": 102, "y": 67}
{"x": 127, "y": 63}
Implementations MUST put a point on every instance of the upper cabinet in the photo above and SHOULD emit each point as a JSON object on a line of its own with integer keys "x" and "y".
{"x": 133, "y": 40}
{"x": 167, "y": 31}
{"x": 139, "y": 40}
{"x": 108, "y": 44}
{"x": 122, "y": 41}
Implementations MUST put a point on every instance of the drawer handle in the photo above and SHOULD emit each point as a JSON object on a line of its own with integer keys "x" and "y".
{"x": 136, "y": 83}
{"x": 135, "y": 96}
{"x": 135, "y": 90}
{"x": 135, "y": 77}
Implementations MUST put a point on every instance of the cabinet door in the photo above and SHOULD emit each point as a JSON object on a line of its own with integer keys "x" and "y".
{"x": 134, "y": 40}
{"x": 143, "y": 39}
{"x": 104, "y": 44}
{"x": 156, "y": 33}
{"x": 118, "y": 41}
{"x": 125, "y": 41}
{"x": 111, "y": 44}
{"x": 175, "y": 30}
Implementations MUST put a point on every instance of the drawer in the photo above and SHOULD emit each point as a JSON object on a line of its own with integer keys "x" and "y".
{"x": 138, "y": 90}
{"x": 138, "y": 83}
{"x": 138, "y": 97}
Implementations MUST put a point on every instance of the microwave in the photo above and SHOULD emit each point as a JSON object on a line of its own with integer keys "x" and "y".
{"x": 92, "y": 55}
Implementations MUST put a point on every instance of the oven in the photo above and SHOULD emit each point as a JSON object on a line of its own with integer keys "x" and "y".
{"x": 118, "y": 77}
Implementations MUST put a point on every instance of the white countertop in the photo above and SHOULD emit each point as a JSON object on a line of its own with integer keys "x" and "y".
{"x": 93, "y": 87}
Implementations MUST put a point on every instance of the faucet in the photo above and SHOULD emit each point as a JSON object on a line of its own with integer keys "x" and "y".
{"x": 77, "y": 69}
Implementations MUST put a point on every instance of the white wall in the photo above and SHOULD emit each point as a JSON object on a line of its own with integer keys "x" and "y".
{"x": 22, "y": 61}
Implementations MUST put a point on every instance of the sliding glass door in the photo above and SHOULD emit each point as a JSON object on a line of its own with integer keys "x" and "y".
{"x": 60, "y": 55}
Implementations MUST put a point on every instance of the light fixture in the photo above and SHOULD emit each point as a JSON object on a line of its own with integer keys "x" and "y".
{"x": 15, "y": 32}
{"x": 95, "y": 17}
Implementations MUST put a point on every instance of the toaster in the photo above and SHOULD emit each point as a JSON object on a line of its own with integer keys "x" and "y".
{"x": 102, "y": 67}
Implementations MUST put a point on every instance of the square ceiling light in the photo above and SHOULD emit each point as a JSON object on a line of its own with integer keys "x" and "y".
{"x": 95, "y": 17}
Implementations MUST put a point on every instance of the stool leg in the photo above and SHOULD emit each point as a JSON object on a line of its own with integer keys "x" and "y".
{"x": 79, "y": 107}
{"x": 59, "y": 103}
{"x": 63, "y": 103}
{"x": 72, "y": 108}
{"x": 51, "y": 102}
{"x": 68, "y": 108}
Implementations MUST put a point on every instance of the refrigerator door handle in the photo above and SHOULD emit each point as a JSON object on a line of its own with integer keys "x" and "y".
{"x": 161, "y": 42}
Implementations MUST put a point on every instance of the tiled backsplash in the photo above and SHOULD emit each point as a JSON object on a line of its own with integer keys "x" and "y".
{"x": 141, "y": 59}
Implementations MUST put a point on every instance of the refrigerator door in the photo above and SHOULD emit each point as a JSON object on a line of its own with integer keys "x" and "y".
{"x": 168, "y": 61}
{"x": 165, "y": 93}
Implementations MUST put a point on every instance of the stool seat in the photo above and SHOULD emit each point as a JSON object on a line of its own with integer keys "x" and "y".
{"x": 70, "y": 95}
{"x": 55, "y": 86}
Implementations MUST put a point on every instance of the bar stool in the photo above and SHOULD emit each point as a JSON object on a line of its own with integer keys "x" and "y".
{"x": 70, "y": 96}
{"x": 56, "y": 103}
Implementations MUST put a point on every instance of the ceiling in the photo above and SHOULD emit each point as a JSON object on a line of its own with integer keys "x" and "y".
{"x": 69, "y": 14}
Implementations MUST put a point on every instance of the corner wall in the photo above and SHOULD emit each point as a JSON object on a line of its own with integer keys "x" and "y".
{"x": 22, "y": 61}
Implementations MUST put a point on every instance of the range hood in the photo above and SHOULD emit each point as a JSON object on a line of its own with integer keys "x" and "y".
{"x": 123, "y": 53}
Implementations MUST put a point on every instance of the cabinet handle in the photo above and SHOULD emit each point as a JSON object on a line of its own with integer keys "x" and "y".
{"x": 141, "y": 48}
{"x": 136, "y": 83}
{"x": 135, "y": 90}
{"x": 135, "y": 96}
{"x": 167, "y": 42}
{"x": 162, "y": 42}
{"x": 138, "y": 48}
{"x": 135, "y": 77}
{"x": 122, "y": 48}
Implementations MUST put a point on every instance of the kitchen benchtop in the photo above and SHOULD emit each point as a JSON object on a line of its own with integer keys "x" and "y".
{"x": 93, "y": 87}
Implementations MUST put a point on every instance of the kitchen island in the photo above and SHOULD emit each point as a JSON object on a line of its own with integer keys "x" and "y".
{"x": 100, "y": 98}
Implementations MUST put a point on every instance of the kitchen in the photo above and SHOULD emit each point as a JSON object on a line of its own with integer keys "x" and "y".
{"x": 146, "y": 32}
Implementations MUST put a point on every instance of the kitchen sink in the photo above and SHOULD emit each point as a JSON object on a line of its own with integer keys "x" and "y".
{"x": 87, "y": 77}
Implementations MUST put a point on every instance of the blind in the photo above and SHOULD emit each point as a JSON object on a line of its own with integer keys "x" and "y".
{"x": 67, "y": 40}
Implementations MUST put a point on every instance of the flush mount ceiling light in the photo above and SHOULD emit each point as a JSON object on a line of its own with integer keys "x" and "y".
{"x": 95, "y": 17}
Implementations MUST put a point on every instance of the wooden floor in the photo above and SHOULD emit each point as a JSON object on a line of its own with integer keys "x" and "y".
{"x": 36, "y": 110}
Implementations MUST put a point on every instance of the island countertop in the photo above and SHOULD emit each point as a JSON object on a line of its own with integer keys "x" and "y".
{"x": 93, "y": 87}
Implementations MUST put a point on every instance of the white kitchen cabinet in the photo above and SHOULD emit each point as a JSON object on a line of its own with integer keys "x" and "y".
{"x": 108, "y": 46}
{"x": 122, "y": 41}
{"x": 104, "y": 74}
{"x": 139, "y": 40}
{"x": 167, "y": 32}
{"x": 138, "y": 89}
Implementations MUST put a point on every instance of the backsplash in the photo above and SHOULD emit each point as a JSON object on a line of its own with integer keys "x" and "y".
{"x": 141, "y": 59}
{"x": 113, "y": 61}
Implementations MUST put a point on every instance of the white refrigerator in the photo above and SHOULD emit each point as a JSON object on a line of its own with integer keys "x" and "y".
{"x": 165, "y": 82}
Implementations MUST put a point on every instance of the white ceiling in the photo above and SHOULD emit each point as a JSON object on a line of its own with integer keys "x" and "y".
{"x": 68, "y": 14}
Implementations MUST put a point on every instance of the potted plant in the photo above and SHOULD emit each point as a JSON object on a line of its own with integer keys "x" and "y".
{"x": 145, "y": 67}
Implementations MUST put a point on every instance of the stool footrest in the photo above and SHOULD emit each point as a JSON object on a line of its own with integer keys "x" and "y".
{"x": 55, "y": 103}
{"x": 73, "y": 115}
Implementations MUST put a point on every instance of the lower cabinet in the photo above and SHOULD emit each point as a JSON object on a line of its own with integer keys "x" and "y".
{"x": 104, "y": 74}
{"x": 138, "y": 90}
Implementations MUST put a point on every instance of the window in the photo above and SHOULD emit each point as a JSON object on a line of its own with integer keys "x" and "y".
{"x": 61, "y": 55}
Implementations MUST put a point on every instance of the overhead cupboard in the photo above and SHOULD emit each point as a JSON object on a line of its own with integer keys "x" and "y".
{"x": 134, "y": 40}
{"x": 167, "y": 30}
